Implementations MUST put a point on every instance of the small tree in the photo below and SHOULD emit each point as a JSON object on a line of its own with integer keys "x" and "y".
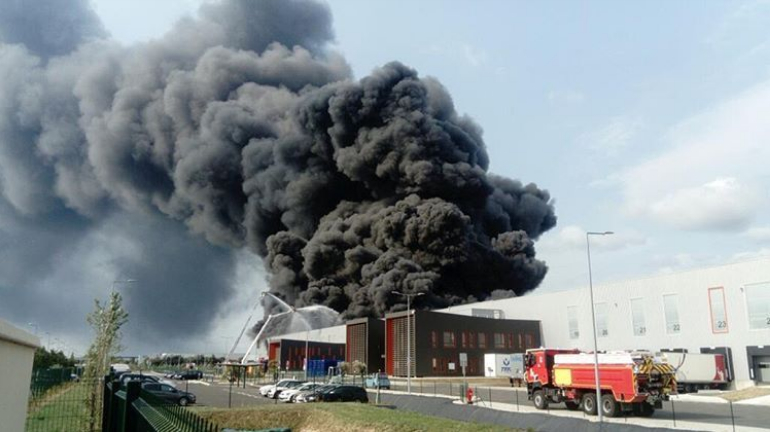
{"x": 106, "y": 320}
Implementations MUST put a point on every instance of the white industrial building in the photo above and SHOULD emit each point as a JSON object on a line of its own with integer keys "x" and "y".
{"x": 707, "y": 309}
{"x": 717, "y": 309}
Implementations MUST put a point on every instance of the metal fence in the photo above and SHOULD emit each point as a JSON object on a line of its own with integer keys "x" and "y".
{"x": 132, "y": 409}
{"x": 59, "y": 404}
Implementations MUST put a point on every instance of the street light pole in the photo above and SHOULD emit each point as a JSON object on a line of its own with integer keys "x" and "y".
{"x": 598, "y": 404}
{"x": 409, "y": 339}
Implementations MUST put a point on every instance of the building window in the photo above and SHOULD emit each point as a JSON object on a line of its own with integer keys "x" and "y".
{"x": 449, "y": 339}
{"x": 672, "y": 323}
{"x": 718, "y": 318}
{"x": 601, "y": 319}
{"x": 498, "y": 340}
{"x": 757, "y": 300}
{"x": 481, "y": 340}
{"x": 510, "y": 341}
{"x": 434, "y": 363}
{"x": 529, "y": 341}
{"x": 573, "y": 322}
{"x": 463, "y": 339}
{"x": 471, "y": 340}
{"x": 639, "y": 316}
{"x": 434, "y": 339}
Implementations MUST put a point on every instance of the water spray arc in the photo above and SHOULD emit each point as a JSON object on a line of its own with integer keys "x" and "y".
{"x": 288, "y": 309}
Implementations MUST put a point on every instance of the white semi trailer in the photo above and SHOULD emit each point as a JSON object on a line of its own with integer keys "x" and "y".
{"x": 698, "y": 371}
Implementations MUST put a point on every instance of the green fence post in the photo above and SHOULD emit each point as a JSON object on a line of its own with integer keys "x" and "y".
{"x": 129, "y": 414}
{"x": 114, "y": 401}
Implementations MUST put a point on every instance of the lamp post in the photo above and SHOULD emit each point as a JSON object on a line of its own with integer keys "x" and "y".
{"x": 598, "y": 401}
{"x": 409, "y": 339}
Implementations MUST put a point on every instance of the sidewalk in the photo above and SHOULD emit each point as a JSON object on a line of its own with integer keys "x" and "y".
{"x": 762, "y": 400}
{"x": 659, "y": 421}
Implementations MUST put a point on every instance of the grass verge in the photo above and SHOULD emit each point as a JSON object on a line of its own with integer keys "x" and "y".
{"x": 339, "y": 417}
{"x": 62, "y": 409}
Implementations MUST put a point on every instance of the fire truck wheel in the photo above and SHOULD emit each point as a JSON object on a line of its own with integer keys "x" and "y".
{"x": 589, "y": 405}
{"x": 609, "y": 405}
{"x": 539, "y": 400}
{"x": 572, "y": 405}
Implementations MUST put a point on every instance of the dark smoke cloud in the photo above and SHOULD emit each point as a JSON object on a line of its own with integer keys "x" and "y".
{"x": 244, "y": 126}
{"x": 48, "y": 28}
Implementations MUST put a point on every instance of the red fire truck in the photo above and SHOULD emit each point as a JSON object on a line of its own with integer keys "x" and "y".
{"x": 636, "y": 382}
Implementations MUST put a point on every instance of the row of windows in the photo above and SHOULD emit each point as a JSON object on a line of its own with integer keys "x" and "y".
{"x": 482, "y": 340}
{"x": 756, "y": 297}
{"x": 449, "y": 365}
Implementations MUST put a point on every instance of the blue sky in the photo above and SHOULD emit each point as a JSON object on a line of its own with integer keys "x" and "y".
{"x": 649, "y": 119}
{"x": 646, "y": 118}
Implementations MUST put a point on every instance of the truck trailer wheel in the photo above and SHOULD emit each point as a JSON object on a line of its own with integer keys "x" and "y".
{"x": 589, "y": 405}
{"x": 644, "y": 409}
{"x": 609, "y": 405}
{"x": 539, "y": 400}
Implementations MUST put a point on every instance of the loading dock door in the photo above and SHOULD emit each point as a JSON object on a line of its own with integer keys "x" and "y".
{"x": 758, "y": 363}
{"x": 761, "y": 369}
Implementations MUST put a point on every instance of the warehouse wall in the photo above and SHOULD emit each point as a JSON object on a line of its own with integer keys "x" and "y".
{"x": 17, "y": 351}
{"x": 336, "y": 334}
{"x": 696, "y": 328}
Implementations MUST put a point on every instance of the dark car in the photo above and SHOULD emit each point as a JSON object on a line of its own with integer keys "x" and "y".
{"x": 169, "y": 393}
{"x": 143, "y": 378}
{"x": 313, "y": 395}
{"x": 188, "y": 375}
{"x": 344, "y": 394}
{"x": 137, "y": 377}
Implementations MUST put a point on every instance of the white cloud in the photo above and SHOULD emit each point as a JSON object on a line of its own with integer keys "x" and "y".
{"x": 723, "y": 204}
{"x": 614, "y": 136}
{"x": 714, "y": 172}
{"x": 758, "y": 234}
{"x": 476, "y": 57}
{"x": 573, "y": 237}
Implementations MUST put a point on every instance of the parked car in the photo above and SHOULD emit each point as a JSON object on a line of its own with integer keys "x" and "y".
{"x": 288, "y": 384}
{"x": 143, "y": 378}
{"x": 169, "y": 393}
{"x": 378, "y": 380}
{"x": 313, "y": 395}
{"x": 289, "y": 394}
{"x": 344, "y": 394}
{"x": 188, "y": 375}
{"x": 265, "y": 390}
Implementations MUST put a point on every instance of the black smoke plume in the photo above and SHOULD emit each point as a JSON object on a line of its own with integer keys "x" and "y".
{"x": 243, "y": 124}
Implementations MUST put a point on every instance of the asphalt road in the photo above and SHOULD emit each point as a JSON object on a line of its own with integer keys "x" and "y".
{"x": 713, "y": 413}
{"x": 223, "y": 396}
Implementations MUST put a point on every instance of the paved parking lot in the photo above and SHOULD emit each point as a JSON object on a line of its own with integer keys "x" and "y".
{"x": 218, "y": 395}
